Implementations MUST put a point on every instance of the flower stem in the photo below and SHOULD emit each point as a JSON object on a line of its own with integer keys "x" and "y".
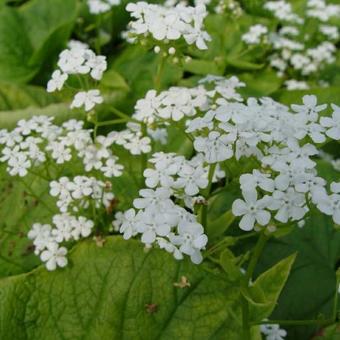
{"x": 112, "y": 122}
{"x": 204, "y": 210}
{"x": 158, "y": 77}
{"x": 144, "y": 157}
{"x": 256, "y": 255}
{"x": 123, "y": 115}
{"x": 250, "y": 270}
{"x": 324, "y": 322}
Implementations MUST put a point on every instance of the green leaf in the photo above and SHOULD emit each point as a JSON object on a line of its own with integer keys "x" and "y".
{"x": 32, "y": 35}
{"x": 244, "y": 64}
{"x": 15, "y": 47}
{"x": 229, "y": 263}
{"x": 19, "y": 210}
{"x": 139, "y": 68}
{"x": 261, "y": 83}
{"x": 120, "y": 291}
{"x": 203, "y": 67}
{"x": 311, "y": 285}
{"x": 268, "y": 287}
{"x": 61, "y": 112}
{"x": 325, "y": 95}
{"x": 114, "y": 80}
{"x": 219, "y": 226}
{"x": 330, "y": 333}
{"x": 48, "y": 24}
{"x": 14, "y": 96}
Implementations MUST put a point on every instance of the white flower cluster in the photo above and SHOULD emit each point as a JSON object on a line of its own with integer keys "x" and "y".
{"x": 296, "y": 85}
{"x": 273, "y": 332}
{"x": 321, "y": 10}
{"x": 79, "y": 59}
{"x": 172, "y": 104}
{"x": 47, "y": 239}
{"x": 305, "y": 53}
{"x": 283, "y": 11}
{"x": 160, "y": 218}
{"x": 37, "y": 140}
{"x": 73, "y": 196}
{"x": 255, "y": 34}
{"x": 222, "y": 127}
{"x": 101, "y": 6}
{"x": 168, "y": 24}
{"x": 80, "y": 193}
{"x": 288, "y": 181}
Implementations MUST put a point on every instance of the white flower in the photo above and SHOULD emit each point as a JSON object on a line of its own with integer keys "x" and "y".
{"x": 82, "y": 227}
{"x": 98, "y": 6}
{"x": 165, "y": 23}
{"x": 153, "y": 198}
{"x": 54, "y": 257}
{"x": 57, "y": 81}
{"x": 309, "y": 107}
{"x": 191, "y": 239}
{"x": 63, "y": 229}
{"x": 255, "y": 34}
{"x": 251, "y": 209}
{"x": 129, "y": 221}
{"x": 256, "y": 179}
{"x": 112, "y": 168}
{"x": 215, "y": 147}
{"x": 137, "y": 145}
{"x": 290, "y": 205}
{"x": 332, "y": 123}
{"x": 98, "y": 65}
{"x": 152, "y": 224}
{"x": 192, "y": 179}
{"x": 273, "y": 332}
{"x": 169, "y": 247}
{"x": 18, "y": 165}
{"x": 329, "y": 204}
{"x": 87, "y": 99}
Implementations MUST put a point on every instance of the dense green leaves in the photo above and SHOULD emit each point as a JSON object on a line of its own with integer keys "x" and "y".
{"x": 15, "y": 48}
{"x": 30, "y": 35}
{"x": 311, "y": 286}
{"x": 119, "y": 291}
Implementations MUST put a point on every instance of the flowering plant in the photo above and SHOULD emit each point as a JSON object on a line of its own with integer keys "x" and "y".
{"x": 170, "y": 186}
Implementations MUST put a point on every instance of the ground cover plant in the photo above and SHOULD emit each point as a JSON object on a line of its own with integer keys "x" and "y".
{"x": 169, "y": 169}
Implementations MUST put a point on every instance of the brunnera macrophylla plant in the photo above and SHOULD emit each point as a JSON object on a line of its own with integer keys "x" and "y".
{"x": 171, "y": 210}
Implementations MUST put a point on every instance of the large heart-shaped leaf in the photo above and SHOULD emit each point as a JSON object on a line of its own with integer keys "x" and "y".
{"x": 118, "y": 291}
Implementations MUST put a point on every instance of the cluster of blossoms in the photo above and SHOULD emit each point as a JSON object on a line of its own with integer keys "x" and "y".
{"x": 223, "y": 126}
{"x": 37, "y": 141}
{"x": 73, "y": 195}
{"x": 47, "y": 239}
{"x": 172, "y": 104}
{"x": 293, "y": 52}
{"x": 101, "y": 6}
{"x": 255, "y": 34}
{"x": 164, "y": 212}
{"x": 287, "y": 181}
{"x": 168, "y": 24}
{"x": 78, "y": 59}
{"x": 230, "y": 7}
{"x": 80, "y": 193}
